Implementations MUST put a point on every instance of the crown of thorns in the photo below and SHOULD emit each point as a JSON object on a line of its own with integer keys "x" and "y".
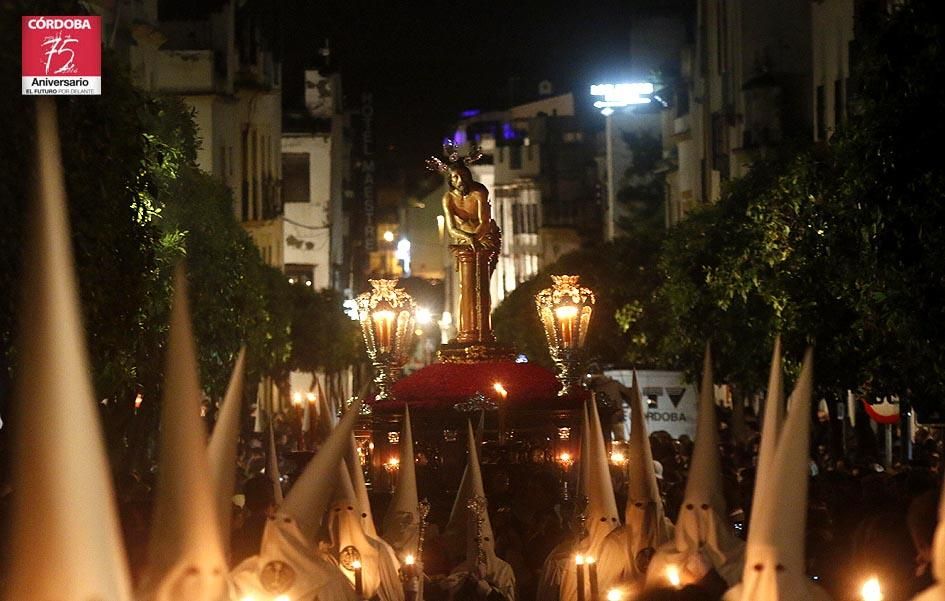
{"x": 453, "y": 158}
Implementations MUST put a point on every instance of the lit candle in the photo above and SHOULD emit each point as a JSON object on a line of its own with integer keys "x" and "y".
{"x": 566, "y": 315}
{"x": 138, "y": 400}
{"x": 672, "y": 576}
{"x": 384, "y": 325}
{"x": 871, "y": 590}
{"x": 299, "y": 410}
{"x": 592, "y": 571}
{"x": 410, "y": 578}
{"x": 358, "y": 582}
{"x": 579, "y": 565}
{"x": 614, "y": 594}
{"x": 499, "y": 388}
{"x": 280, "y": 598}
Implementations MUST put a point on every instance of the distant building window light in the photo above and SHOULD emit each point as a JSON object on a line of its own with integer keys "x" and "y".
{"x": 459, "y": 138}
{"x": 469, "y": 113}
{"x": 508, "y": 132}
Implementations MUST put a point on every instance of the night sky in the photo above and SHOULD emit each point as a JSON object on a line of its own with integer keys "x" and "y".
{"x": 425, "y": 62}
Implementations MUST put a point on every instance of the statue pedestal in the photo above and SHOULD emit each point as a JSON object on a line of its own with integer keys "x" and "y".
{"x": 474, "y": 340}
{"x": 475, "y": 322}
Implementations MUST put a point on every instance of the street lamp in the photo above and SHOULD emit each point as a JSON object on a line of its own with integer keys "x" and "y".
{"x": 386, "y": 314}
{"x": 565, "y": 312}
{"x": 616, "y": 96}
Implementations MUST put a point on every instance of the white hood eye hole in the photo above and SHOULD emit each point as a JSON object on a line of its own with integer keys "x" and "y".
{"x": 758, "y": 567}
{"x": 690, "y": 506}
{"x": 350, "y": 508}
{"x": 705, "y": 506}
{"x": 780, "y": 567}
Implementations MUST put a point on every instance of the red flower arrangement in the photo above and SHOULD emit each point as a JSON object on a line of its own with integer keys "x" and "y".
{"x": 442, "y": 385}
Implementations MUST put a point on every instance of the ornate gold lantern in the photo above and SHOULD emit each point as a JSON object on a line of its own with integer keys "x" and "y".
{"x": 386, "y": 314}
{"x": 565, "y": 312}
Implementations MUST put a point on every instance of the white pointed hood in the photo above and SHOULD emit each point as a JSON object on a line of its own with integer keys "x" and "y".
{"x": 222, "y": 447}
{"x": 626, "y": 553}
{"x": 771, "y": 425}
{"x": 185, "y": 556}
{"x": 402, "y": 521}
{"x": 775, "y": 564}
{"x": 259, "y": 416}
{"x": 326, "y": 419}
{"x": 272, "y": 469}
{"x": 644, "y": 516}
{"x": 602, "y": 513}
{"x": 495, "y": 571}
{"x": 353, "y": 463}
{"x": 584, "y": 465}
{"x": 703, "y": 535}
{"x": 380, "y": 574}
{"x": 289, "y": 562}
{"x": 65, "y": 542}
{"x": 455, "y": 531}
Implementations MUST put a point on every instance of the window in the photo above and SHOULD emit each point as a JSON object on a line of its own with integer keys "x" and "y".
{"x": 515, "y": 157}
{"x": 295, "y": 178}
{"x": 821, "y": 119}
{"x": 300, "y": 273}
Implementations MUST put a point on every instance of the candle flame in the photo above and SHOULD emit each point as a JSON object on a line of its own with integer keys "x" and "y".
{"x": 296, "y": 398}
{"x": 500, "y": 389}
{"x": 566, "y": 312}
{"x": 871, "y": 590}
{"x": 311, "y": 397}
{"x": 672, "y": 576}
{"x": 138, "y": 400}
{"x": 618, "y": 458}
{"x": 589, "y": 560}
{"x": 281, "y": 598}
{"x": 248, "y": 598}
{"x": 356, "y": 564}
{"x": 579, "y": 560}
{"x": 409, "y": 560}
{"x": 614, "y": 594}
{"x": 565, "y": 457}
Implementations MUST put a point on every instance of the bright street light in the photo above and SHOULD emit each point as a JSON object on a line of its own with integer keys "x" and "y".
{"x": 613, "y": 96}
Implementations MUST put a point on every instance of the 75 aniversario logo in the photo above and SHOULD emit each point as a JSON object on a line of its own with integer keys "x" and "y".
{"x": 62, "y": 55}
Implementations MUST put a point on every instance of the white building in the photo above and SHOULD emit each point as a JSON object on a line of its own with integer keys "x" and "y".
{"x": 233, "y": 84}
{"x": 744, "y": 87}
{"x": 530, "y": 149}
{"x": 310, "y": 186}
{"x": 832, "y": 33}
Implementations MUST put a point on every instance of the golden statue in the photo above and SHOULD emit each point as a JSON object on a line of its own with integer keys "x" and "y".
{"x": 477, "y": 243}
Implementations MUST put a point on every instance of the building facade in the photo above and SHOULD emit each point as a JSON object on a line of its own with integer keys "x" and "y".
{"x": 743, "y": 88}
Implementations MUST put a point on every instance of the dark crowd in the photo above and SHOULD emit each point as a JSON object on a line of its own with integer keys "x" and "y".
{"x": 863, "y": 518}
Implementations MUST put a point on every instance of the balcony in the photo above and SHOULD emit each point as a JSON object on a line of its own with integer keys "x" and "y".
{"x": 185, "y": 71}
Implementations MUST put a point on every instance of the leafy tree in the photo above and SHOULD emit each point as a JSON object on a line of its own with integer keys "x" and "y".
{"x": 623, "y": 277}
